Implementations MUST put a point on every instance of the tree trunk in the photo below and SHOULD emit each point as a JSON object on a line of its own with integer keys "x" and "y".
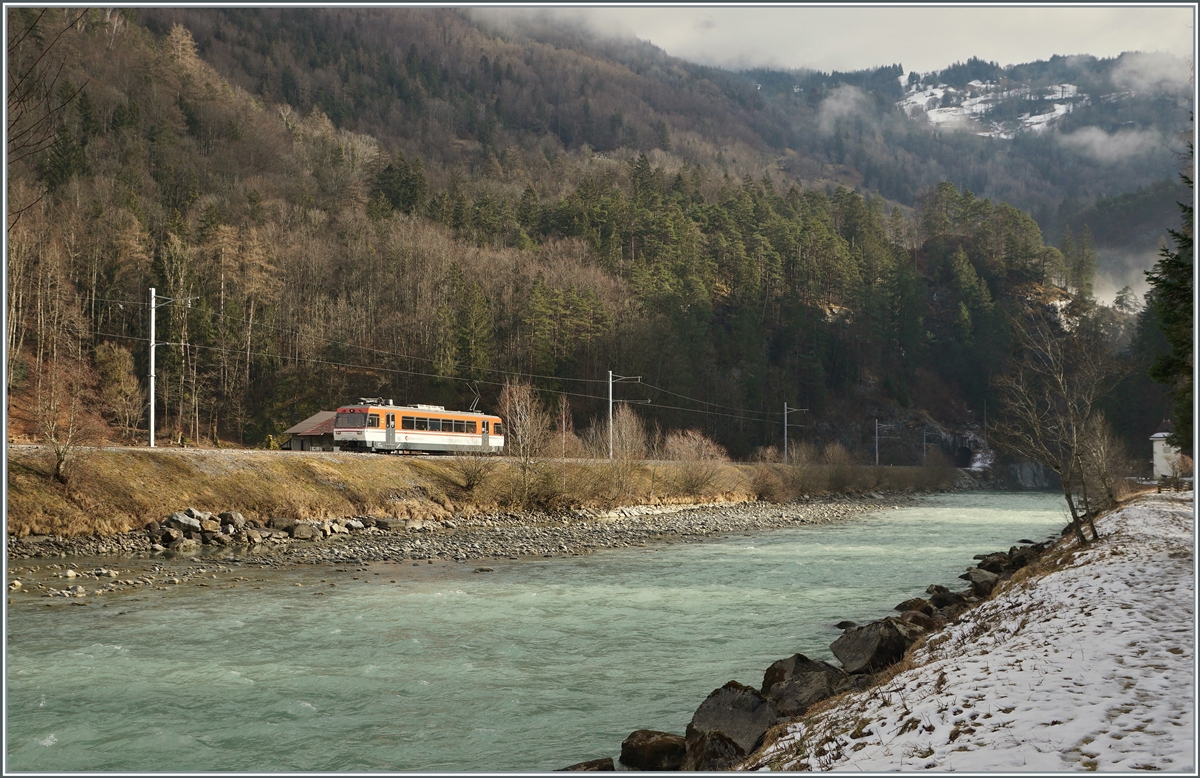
{"x": 1088, "y": 512}
{"x": 1065, "y": 479}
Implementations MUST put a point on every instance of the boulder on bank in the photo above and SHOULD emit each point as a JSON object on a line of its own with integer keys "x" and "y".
{"x": 184, "y": 544}
{"x": 650, "y": 750}
{"x": 982, "y": 582}
{"x": 711, "y": 752}
{"x": 797, "y": 682}
{"x": 946, "y": 599}
{"x": 727, "y": 726}
{"x": 280, "y": 522}
{"x": 916, "y": 604}
{"x": 994, "y": 563}
{"x": 590, "y": 766}
{"x": 301, "y": 531}
{"x": 923, "y": 620}
{"x": 875, "y": 646}
{"x": 181, "y": 521}
{"x": 234, "y": 518}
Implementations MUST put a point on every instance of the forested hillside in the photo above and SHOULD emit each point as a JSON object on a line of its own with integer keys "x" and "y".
{"x": 352, "y": 202}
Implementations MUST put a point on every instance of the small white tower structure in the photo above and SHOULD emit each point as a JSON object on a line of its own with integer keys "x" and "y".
{"x": 1166, "y": 457}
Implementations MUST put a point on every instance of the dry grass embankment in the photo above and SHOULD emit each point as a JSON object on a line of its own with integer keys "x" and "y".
{"x": 113, "y": 490}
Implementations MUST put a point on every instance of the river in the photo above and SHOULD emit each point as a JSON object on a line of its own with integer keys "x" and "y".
{"x": 533, "y": 666}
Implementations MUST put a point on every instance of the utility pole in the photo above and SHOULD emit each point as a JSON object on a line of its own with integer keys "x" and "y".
{"x": 786, "y": 411}
{"x": 612, "y": 378}
{"x": 153, "y": 296}
{"x": 152, "y": 367}
{"x": 877, "y": 426}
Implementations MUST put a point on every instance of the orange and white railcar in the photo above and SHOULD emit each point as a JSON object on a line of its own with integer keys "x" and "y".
{"x": 376, "y": 425}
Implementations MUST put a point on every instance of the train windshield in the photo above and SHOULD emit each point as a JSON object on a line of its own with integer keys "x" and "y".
{"x": 351, "y": 420}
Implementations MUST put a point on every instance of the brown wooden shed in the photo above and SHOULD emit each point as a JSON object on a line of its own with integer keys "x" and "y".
{"x": 313, "y": 434}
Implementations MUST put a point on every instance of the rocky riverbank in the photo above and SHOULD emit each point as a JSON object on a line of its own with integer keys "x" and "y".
{"x": 192, "y": 546}
{"x": 504, "y": 534}
{"x": 734, "y": 720}
{"x": 1083, "y": 661}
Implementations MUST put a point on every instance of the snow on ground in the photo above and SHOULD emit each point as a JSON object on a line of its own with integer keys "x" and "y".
{"x": 1089, "y": 667}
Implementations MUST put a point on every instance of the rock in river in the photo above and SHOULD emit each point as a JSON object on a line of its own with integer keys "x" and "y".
{"x": 647, "y": 749}
{"x": 593, "y": 765}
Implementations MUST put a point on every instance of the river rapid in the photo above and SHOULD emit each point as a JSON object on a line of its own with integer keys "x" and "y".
{"x": 532, "y": 666}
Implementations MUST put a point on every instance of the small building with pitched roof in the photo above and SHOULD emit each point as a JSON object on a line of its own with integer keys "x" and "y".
{"x": 313, "y": 434}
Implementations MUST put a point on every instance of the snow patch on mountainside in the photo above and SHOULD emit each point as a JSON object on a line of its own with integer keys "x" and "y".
{"x": 971, "y": 107}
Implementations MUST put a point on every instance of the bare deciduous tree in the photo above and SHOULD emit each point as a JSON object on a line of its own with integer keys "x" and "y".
{"x": 34, "y": 101}
{"x": 629, "y": 443}
{"x": 120, "y": 397}
{"x": 699, "y": 460}
{"x": 527, "y": 431}
{"x": 1106, "y": 462}
{"x": 1048, "y": 398}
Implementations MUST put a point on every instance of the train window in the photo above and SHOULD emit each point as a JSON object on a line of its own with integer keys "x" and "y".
{"x": 469, "y": 426}
{"x": 406, "y": 422}
{"x": 485, "y": 427}
{"x": 391, "y": 421}
{"x": 373, "y": 420}
{"x": 458, "y": 425}
{"x": 350, "y": 420}
{"x": 422, "y": 424}
{"x": 496, "y": 429}
{"x": 435, "y": 425}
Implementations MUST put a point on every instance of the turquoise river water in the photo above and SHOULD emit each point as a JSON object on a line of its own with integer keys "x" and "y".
{"x": 537, "y": 665}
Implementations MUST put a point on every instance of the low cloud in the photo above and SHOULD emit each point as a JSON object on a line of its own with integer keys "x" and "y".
{"x": 1153, "y": 72}
{"x": 578, "y": 21}
{"x": 1117, "y": 269}
{"x": 1103, "y": 147}
{"x": 842, "y": 103}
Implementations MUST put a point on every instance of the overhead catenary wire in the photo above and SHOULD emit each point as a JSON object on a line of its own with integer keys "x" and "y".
{"x": 399, "y": 371}
{"x": 757, "y": 416}
{"x": 741, "y": 412}
{"x": 369, "y": 349}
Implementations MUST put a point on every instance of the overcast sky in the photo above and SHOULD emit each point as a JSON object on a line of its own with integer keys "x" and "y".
{"x": 920, "y": 38}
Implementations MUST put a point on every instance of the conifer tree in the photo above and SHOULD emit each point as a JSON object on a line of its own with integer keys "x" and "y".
{"x": 1171, "y": 297}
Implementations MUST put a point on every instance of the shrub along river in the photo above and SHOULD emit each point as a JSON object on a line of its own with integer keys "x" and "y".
{"x": 533, "y": 666}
